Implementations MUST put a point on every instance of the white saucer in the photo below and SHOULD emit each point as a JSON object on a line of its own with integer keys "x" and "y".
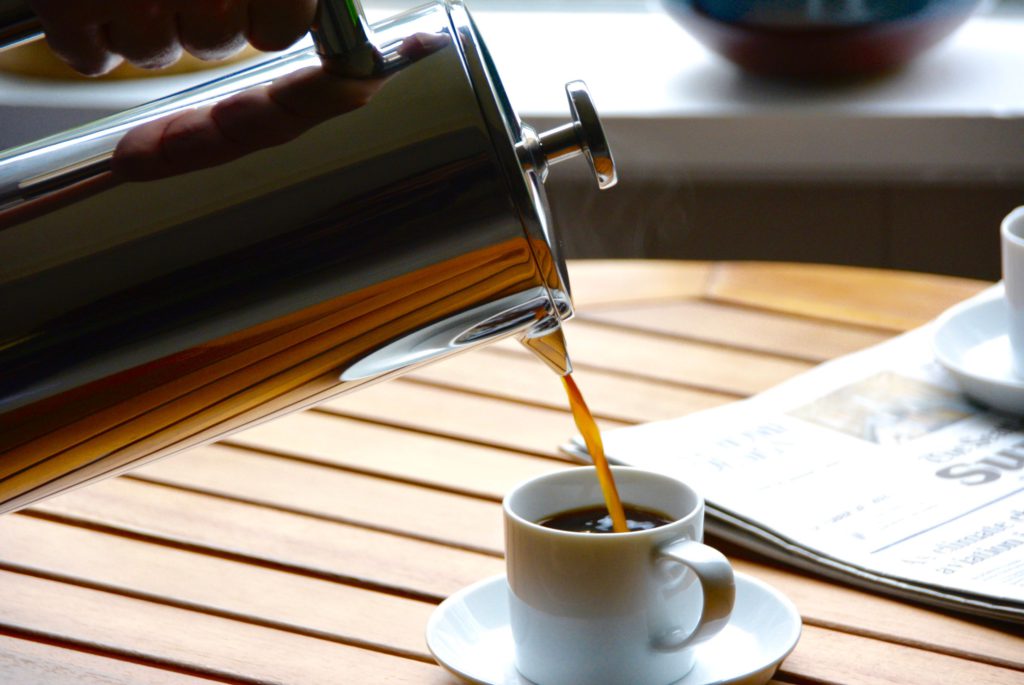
{"x": 469, "y": 635}
{"x": 972, "y": 343}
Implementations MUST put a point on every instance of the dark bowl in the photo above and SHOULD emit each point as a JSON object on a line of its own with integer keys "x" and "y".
{"x": 814, "y": 39}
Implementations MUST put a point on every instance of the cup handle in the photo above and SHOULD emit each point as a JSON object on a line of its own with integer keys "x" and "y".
{"x": 718, "y": 585}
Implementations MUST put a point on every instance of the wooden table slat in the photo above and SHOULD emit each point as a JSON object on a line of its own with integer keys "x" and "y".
{"x": 27, "y": 662}
{"x": 635, "y": 280}
{"x": 196, "y": 641}
{"x": 214, "y": 585}
{"x": 370, "y": 448}
{"x": 273, "y": 538}
{"x": 515, "y": 376}
{"x": 892, "y": 300}
{"x": 457, "y": 415}
{"x": 831, "y": 656}
{"x": 335, "y": 494}
{"x": 689, "y": 364}
{"x": 740, "y": 328}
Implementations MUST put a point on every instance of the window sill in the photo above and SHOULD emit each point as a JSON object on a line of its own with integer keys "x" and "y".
{"x": 671, "y": 107}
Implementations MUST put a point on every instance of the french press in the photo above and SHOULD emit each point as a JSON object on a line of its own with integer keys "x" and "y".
{"x": 144, "y": 313}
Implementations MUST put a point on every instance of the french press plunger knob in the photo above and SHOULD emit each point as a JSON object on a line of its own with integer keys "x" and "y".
{"x": 584, "y": 135}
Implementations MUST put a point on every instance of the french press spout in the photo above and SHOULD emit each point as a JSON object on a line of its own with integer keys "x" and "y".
{"x": 144, "y": 313}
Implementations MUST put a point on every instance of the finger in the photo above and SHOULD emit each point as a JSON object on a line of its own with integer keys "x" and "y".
{"x": 137, "y": 156}
{"x": 419, "y": 45}
{"x": 83, "y": 47}
{"x": 276, "y": 24}
{"x": 252, "y": 120}
{"x": 146, "y": 34}
{"x": 194, "y": 141}
{"x": 315, "y": 94}
{"x": 174, "y": 145}
{"x": 248, "y": 121}
{"x": 214, "y": 29}
{"x": 204, "y": 137}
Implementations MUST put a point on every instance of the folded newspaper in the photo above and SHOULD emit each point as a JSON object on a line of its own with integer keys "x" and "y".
{"x": 871, "y": 469}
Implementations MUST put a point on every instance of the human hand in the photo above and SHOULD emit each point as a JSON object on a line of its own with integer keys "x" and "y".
{"x": 251, "y": 120}
{"x": 95, "y": 36}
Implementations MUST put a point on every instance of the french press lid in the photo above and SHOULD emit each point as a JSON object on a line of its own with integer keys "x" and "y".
{"x": 526, "y": 155}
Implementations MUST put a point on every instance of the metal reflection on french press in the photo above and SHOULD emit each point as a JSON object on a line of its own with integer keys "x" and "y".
{"x": 145, "y": 314}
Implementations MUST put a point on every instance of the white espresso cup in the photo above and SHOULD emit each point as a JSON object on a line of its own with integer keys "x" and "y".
{"x": 611, "y": 608}
{"x": 1011, "y": 235}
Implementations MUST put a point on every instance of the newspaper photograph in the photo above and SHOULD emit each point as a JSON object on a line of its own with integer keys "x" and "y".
{"x": 873, "y": 462}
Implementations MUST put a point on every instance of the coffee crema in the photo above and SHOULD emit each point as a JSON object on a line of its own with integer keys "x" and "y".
{"x": 596, "y": 519}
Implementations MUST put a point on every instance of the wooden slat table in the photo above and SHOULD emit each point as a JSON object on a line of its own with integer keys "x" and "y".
{"x": 312, "y": 549}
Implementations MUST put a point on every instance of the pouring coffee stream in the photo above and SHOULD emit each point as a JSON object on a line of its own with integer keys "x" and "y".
{"x": 143, "y": 317}
{"x": 592, "y": 438}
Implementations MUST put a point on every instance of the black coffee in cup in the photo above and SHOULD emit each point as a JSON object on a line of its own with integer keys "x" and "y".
{"x": 595, "y": 519}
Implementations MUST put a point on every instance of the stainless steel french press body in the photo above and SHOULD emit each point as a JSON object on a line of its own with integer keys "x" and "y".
{"x": 143, "y": 314}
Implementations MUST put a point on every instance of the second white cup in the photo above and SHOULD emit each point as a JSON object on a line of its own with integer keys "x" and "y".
{"x": 1011, "y": 236}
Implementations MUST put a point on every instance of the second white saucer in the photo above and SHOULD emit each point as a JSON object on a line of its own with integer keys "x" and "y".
{"x": 469, "y": 635}
{"x": 972, "y": 343}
